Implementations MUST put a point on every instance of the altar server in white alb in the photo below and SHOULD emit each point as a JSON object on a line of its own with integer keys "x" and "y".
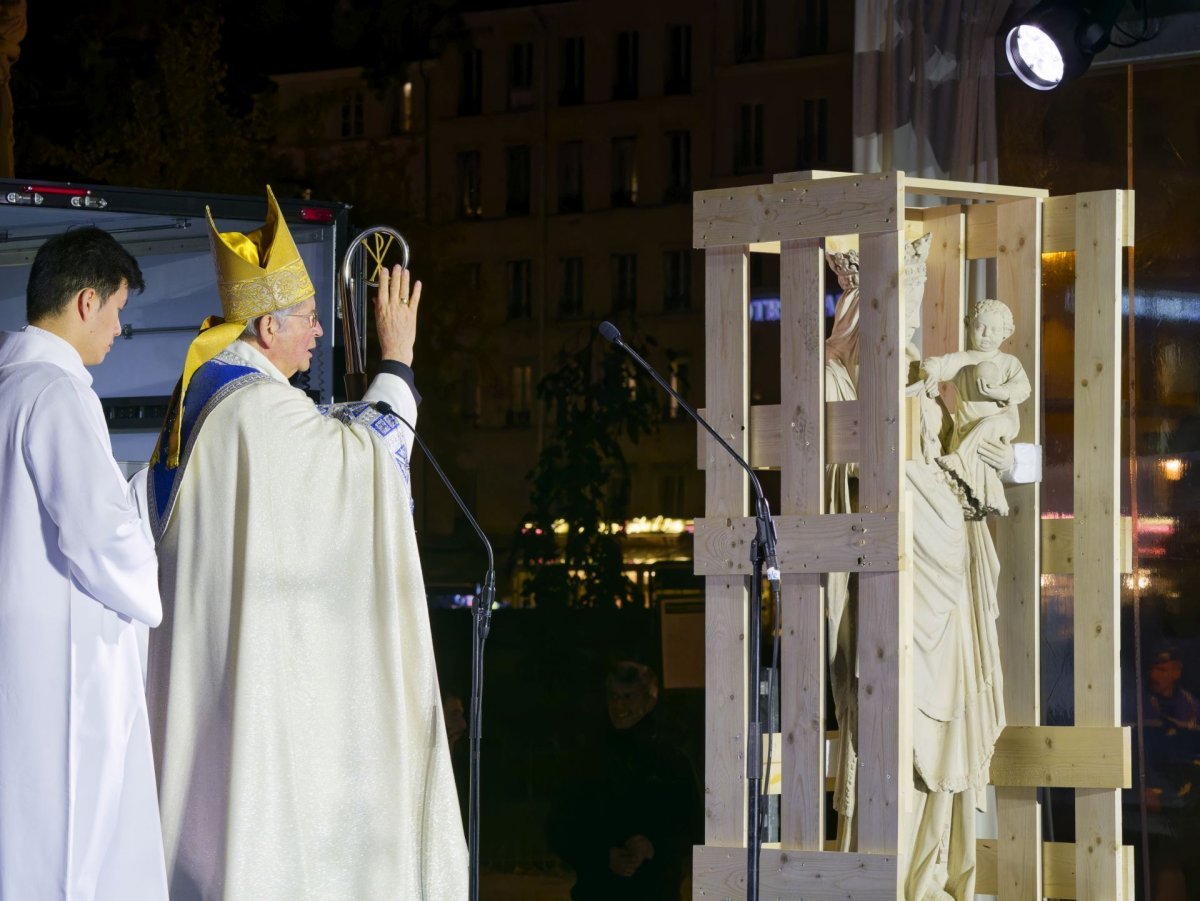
{"x": 294, "y": 699}
{"x": 78, "y": 812}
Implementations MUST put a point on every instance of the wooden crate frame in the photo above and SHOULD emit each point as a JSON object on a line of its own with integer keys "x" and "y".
{"x": 1013, "y": 226}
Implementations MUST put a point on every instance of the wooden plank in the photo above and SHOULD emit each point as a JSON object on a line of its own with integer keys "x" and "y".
{"x": 802, "y": 664}
{"x": 942, "y": 309}
{"x": 1058, "y": 545}
{"x": 1019, "y": 284}
{"x": 1097, "y": 496}
{"x": 773, "y": 775}
{"x": 726, "y": 384}
{"x": 1063, "y": 757}
{"x": 884, "y": 779}
{"x": 788, "y": 875}
{"x": 842, "y": 427}
{"x": 932, "y": 187}
{"x": 832, "y": 542}
{"x": 1058, "y": 226}
{"x": 746, "y": 215}
{"x": 1058, "y": 863}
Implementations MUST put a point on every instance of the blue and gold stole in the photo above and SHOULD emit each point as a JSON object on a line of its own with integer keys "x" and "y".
{"x": 212, "y": 383}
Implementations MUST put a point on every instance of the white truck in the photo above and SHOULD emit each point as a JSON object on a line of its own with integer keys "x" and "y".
{"x": 168, "y": 234}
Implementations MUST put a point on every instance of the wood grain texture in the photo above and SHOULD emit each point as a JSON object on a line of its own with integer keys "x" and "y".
{"x": 942, "y": 309}
{"x": 747, "y": 215}
{"x": 930, "y": 187}
{"x": 843, "y": 426}
{"x": 802, "y": 667}
{"x": 726, "y": 491}
{"x": 845, "y": 542}
{"x": 1058, "y": 864}
{"x": 720, "y": 874}
{"x": 1098, "y": 220}
{"x": 1063, "y": 757}
{"x": 884, "y": 780}
{"x": 1058, "y": 545}
{"x": 1018, "y": 544}
{"x": 1058, "y": 226}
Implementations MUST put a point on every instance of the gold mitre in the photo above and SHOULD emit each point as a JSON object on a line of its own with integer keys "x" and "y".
{"x": 259, "y": 272}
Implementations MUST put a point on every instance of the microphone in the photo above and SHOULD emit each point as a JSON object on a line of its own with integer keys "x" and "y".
{"x": 766, "y": 535}
{"x": 481, "y": 611}
{"x": 762, "y": 549}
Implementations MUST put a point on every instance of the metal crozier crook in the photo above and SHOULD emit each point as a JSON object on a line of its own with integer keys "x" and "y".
{"x": 371, "y": 246}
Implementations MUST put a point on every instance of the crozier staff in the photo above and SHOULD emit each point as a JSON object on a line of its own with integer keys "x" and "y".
{"x": 294, "y": 700}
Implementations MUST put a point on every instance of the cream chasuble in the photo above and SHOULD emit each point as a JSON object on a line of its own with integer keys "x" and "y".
{"x": 294, "y": 698}
{"x": 78, "y": 578}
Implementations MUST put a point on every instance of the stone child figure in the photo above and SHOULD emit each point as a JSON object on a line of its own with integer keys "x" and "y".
{"x": 990, "y": 384}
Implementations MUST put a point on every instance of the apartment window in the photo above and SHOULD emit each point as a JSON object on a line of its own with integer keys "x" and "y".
{"x": 679, "y": 381}
{"x": 625, "y": 82}
{"x": 520, "y": 394}
{"x": 352, "y": 114}
{"x": 748, "y": 152}
{"x": 679, "y": 60}
{"x": 670, "y": 494}
{"x": 470, "y": 101}
{"x": 471, "y": 399}
{"x": 814, "y": 27}
{"x": 570, "y": 298}
{"x": 570, "y": 90}
{"x": 624, "y": 282}
{"x": 677, "y": 281}
{"x": 624, "y": 172}
{"x": 570, "y": 177}
{"x": 751, "y": 34}
{"x": 402, "y": 109}
{"x": 679, "y": 167}
{"x": 517, "y": 162}
{"x": 520, "y": 289}
{"x": 814, "y": 133}
{"x": 468, "y": 206}
{"x": 520, "y": 76}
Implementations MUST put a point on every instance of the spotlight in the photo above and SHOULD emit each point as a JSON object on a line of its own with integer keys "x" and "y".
{"x": 1056, "y": 40}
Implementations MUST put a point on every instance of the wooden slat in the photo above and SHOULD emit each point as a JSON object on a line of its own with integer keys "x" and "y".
{"x": 942, "y": 310}
{"x": 884, "y": 779}
{"x": 1058, "y": 226}
{"x": 773, "y": 774}
{"x": 746, "y": 215}
{"x": 1063, "y": 757}
{"x": 1098, "y": 217}
{"x": 787, "y": 875}
{"x": 802, "y": 667}
{"x": 842, "y": 426}
{"x": 931, "y": 187}
{"x": 1058, "y": 545}
{"x": 1058, "y": 864}
{"x": 845, "y": 542}
{"x": 726, "y": 385}
{"x": 1019, "y": 284}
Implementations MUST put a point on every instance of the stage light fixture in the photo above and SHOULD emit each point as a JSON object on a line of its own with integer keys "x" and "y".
{"x": 1057, "y": 39}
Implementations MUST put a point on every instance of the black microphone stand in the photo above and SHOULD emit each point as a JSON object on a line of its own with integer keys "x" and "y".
{"x": 762, "y": 551}
{"x": 481, "y": 618}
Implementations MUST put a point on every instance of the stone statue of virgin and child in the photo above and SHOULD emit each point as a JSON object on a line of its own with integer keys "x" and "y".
{"x": 953, "y": 484}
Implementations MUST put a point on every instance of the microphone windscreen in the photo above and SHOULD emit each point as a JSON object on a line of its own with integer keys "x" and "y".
{"x": 609, "y": 332}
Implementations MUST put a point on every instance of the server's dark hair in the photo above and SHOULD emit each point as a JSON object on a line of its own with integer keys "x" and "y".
{"x": 86, "y": 257}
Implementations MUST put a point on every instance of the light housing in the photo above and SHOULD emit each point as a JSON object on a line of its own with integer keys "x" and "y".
{"x": 1057, "y": 39}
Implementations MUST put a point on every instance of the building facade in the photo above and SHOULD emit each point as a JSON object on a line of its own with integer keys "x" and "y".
{"x": 551, "y": 155}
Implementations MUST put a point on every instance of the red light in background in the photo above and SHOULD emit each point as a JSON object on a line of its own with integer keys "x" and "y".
{"x": 316, "y": 214}
{"x": 55, "y": 189}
